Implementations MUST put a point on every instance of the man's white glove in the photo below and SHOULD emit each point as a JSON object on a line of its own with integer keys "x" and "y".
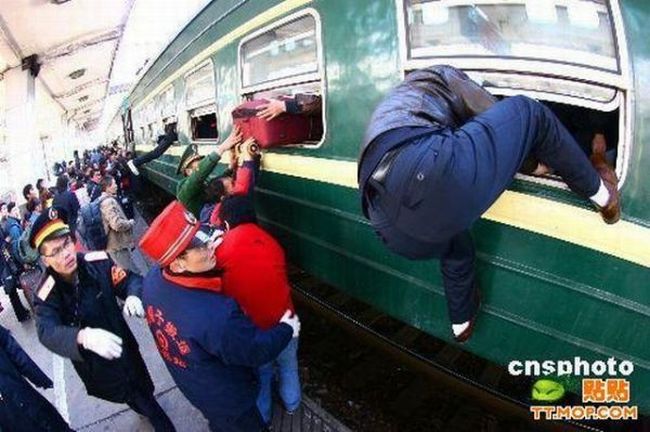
{"x": 101, "y": 342}
{"x": 133, "y": 307}
{"x": 293, "y": 321}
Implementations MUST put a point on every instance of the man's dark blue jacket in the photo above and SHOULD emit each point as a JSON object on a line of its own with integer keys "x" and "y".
{"x": 210, "y": 347}
{"x": 22, "y": 408}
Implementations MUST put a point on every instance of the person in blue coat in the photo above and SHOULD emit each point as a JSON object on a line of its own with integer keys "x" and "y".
{"x": 22, "y": 408}
{"x": 439, "y": 151}
{"x": 210, "y": 347}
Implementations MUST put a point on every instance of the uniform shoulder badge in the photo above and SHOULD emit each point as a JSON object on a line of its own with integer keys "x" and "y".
{"x": 117, "y": 275}
{"x": 46, "y": 288}
{"x": 96, "y": 256}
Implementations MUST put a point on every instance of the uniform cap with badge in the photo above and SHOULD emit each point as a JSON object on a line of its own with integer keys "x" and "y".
{"x": 50, "y": 224}
{"x": 171, "y": 233}
{"x": 190, "y": 155}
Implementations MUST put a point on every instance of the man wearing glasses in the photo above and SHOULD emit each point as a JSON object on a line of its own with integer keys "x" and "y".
{"x": 77, "y": 317}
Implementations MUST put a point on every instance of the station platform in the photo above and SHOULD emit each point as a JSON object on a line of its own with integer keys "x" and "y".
{"x": 89, "y": 414}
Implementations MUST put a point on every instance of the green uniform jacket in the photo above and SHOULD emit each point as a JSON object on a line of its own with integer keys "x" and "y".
{"x": 190, "y": 190}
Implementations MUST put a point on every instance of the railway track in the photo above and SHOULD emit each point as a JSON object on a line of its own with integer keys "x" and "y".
{"x": 483, "y": 395}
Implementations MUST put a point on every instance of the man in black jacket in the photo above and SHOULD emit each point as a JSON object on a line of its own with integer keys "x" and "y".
{"x": 68, "y": 201}
{"x": 438, "y": 153}
{"x": 77, "y": 317}
{"x": 22, "y": 408}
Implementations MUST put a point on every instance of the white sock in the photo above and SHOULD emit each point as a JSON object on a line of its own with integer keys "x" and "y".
{"x": 602, "y": 196}
{"x": 459, "y": 328}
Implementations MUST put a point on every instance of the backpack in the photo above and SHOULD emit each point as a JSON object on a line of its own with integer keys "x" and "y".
{"x": 27, "y": 254}
{"x": 91, "y": 226}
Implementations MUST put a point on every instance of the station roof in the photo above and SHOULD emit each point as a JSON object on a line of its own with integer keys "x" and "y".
{"x": 75, "y": 42}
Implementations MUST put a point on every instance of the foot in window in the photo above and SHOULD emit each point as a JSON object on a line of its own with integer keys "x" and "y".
{"x": 609, "y": 207}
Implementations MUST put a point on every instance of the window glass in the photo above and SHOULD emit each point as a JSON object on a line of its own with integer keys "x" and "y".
{"x": 167, "y": 103}
{"x": 569, "y": 31}
{"x": 200, "y": 86}
{"x": 285, "y": 51}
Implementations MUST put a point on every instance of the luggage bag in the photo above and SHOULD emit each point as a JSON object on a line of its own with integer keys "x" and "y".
{"x": 282, "y": 130}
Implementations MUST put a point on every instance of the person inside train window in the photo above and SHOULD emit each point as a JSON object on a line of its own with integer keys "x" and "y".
{"x": 78, "y": 317}
{"x": 439, "y": 151}
{"x": 196, "y": 169}
{"x": 307, "y": 104}
{"x": 238, "y": 182}
{"x": 164, "y": 142}
{"x": 594, "y": 131}
{"x": 210, "y": 347}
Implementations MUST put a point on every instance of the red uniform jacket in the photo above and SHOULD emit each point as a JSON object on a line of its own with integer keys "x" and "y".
{"x": 255, "y": 274}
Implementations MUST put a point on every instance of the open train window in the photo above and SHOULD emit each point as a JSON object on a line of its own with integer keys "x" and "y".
{"x": 203, "y": 123}
{"x": 569, "y": 54}
{"x": 285, "y": 61}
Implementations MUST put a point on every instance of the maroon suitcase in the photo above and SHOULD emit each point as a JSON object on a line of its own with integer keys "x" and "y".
{"x": 282, "y": 130}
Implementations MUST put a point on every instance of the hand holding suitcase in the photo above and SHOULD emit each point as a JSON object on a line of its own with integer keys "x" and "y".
{"x": 286, "y": 128}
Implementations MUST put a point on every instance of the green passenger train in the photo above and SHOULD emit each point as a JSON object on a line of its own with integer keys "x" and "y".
{"x": 557, "y": 283}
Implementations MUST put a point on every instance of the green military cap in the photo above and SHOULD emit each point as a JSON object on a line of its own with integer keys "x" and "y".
{"x": 190, "y": 154}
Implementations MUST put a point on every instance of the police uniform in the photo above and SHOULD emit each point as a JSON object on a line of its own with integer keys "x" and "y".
{"x": 210, "y": 347}
{"x": 62, "y": 309}
{"x": 190, "y": 189}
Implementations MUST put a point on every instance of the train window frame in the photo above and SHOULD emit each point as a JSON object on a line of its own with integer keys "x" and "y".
{"x": 620, "y": 81}
{"x": 187, "y": 76}
{"x": 316, "y": 79}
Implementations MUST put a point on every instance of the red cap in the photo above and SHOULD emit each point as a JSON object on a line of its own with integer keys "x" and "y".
{"x": 169, "y": 234}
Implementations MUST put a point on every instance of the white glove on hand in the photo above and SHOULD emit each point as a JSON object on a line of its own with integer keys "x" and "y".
{"x": 293, "y": 321}
{"x": 101, "y": 342}
{"x": 133, "y": 307}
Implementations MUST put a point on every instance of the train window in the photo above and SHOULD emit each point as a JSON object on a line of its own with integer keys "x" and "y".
{"x": 199, "y": 86}
{"x": 288, "y": 51}
{"x": 564, "y": 31}
{"x": 284, "y": 61}
{"x": 203, "y": 123}
{"x": 587, "y": 126}
{"x": 167, "y": 103}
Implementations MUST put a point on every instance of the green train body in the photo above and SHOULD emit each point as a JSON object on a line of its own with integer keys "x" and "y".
{"x": 557, "y": 283}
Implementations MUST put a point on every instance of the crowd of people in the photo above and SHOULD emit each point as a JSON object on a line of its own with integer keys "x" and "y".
{"x": 217, "y": 298}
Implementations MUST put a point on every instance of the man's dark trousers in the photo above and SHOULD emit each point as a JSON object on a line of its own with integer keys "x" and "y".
{"x": 440, "y": 183}
{"x": 146, "y": 405}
